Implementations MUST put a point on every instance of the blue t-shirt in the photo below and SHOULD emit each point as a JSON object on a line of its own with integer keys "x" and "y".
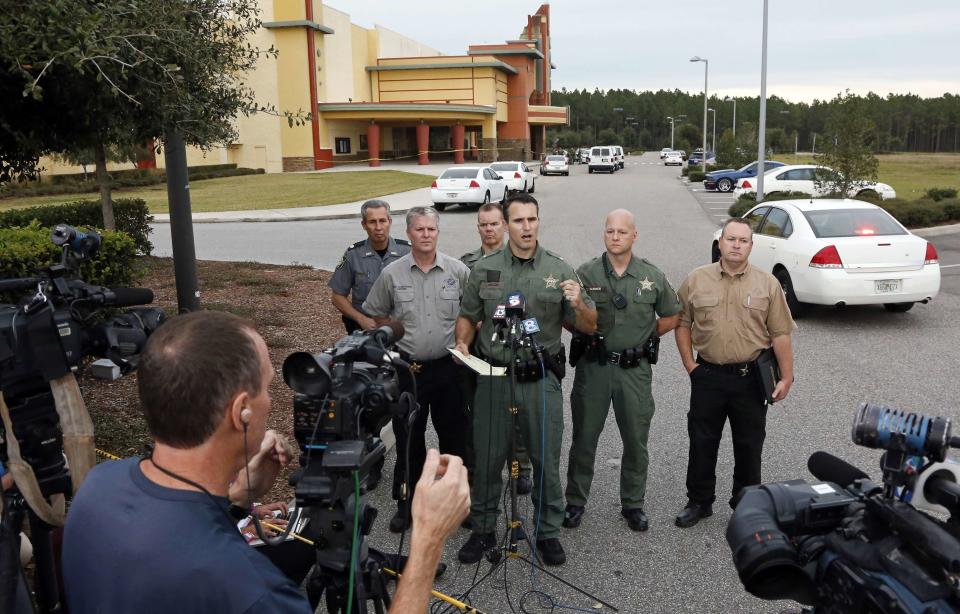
{"x": 131, "y": 545}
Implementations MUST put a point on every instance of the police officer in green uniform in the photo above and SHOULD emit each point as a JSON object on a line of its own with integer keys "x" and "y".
{"x": 362, "y": 263}
{"x": 491, "y": 226}
{"x": 615, "y": 366}
{"x": 554, "y": 297}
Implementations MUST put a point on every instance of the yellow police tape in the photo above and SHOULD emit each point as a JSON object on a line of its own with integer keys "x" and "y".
{"x": 417, "y": 155}
{"x": 107, "y": 455}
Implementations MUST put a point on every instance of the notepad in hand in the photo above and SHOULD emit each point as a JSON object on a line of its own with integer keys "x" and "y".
{"x": 769, "y": 370}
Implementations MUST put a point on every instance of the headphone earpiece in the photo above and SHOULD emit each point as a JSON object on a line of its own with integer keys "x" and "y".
{"x": 245, "y": 415}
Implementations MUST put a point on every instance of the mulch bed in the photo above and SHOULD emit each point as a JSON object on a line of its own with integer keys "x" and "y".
{"x": 290, "y": 306}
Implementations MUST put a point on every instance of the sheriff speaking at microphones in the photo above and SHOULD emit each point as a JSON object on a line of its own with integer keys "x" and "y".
{"x": 552, "y": 295}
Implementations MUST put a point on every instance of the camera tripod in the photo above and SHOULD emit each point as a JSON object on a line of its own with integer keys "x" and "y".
{"x": 508, "y": 548}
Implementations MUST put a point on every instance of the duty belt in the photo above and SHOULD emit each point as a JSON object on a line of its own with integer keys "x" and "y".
{"x": 419, "y": 366}
{"x": 739, "y": 369}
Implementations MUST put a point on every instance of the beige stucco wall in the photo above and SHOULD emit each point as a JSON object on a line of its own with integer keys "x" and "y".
{"x": 395, "y": 45}
{"x": 337, "y": 70}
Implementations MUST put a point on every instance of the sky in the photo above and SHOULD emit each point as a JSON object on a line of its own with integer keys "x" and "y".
{"x": 815, "y": 50}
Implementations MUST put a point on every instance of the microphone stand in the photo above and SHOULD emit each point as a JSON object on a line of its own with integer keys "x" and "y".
{"x": 517, "y": 338}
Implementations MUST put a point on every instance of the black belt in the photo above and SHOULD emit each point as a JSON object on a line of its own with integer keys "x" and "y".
{"x": 739, "y": 369}
{"x": 418, "y": 366}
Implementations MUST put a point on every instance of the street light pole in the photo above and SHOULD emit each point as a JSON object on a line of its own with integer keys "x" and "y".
{"x": 706, "y": 68}
{"x": 713, "y": 141}
{"x": 734, "y": 100}
{"x": 671, "y": 133}
{"x": 762, "y": 145}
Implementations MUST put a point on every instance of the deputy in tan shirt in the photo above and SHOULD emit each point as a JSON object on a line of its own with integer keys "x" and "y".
{"x": 731, "y": 312}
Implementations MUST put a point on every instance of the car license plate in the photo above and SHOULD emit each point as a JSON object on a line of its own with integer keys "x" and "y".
{"x": 451, "y": 194}
{"x": 886, "y": 286}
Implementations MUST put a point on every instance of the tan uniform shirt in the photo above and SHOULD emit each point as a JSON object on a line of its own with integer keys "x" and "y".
{"x": 732, "y": 318}
{"x": 426, "y": 303}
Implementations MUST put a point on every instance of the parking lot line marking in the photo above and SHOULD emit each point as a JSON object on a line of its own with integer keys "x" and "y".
{"x": 719, "y": 208}
{"x": 948, "y": 266}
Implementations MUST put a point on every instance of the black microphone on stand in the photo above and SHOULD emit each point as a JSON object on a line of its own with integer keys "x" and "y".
{"x": 499, "y": 321}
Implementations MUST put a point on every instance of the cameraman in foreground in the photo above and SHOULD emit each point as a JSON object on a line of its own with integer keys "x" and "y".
{"x": 158, "y": 534}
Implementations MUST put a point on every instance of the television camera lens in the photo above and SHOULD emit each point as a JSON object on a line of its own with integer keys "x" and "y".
{"x": 308, "y": 374}
{"x": 876, "y": 426}
{"x": 83, "y": 243}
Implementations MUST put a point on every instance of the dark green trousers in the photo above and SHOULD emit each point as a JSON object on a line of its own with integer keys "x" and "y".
{"x": 541, "y": 426}
{"x": 594, "y": 388}
{"x": 470, "y": 386}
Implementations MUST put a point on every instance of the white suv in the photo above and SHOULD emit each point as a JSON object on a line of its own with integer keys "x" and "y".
{"x": 602, "y": 159}
{"x": 619, "y": 155}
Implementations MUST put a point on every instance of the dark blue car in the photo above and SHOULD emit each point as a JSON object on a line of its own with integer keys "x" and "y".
{"x": 726, "y": 179}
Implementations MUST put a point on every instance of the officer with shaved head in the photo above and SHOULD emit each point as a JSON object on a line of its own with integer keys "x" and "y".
{"x": 635, "y": 306}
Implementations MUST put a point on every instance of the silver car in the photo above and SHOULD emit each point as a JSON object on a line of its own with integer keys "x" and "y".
{"x": 555, "y": 165}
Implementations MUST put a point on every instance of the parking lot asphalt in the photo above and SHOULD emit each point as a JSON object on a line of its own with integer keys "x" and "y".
{"x": 843, "y": 357}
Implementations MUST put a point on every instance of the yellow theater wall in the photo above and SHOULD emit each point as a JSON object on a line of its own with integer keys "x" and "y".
{"x": 293, "y": 96}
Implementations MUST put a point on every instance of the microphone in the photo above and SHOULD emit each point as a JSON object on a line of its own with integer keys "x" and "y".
{"x": 388, "y": 334}
{"x": 516, "y": 305}
{"x": 123, "y": 297}
{"x": 499, "y": 319}
{"x": 15, "y": 285}
{"x": 829, "y": 468}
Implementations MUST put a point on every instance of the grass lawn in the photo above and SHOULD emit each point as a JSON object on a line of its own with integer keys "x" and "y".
{"x": 249, "y": 192}
{"x": 910, "y": 174}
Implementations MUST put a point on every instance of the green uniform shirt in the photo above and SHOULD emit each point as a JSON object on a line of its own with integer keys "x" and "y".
{"x": 471, "y": 258}
{"x": 538, "y": 279}
{"x": 647, "y": 293}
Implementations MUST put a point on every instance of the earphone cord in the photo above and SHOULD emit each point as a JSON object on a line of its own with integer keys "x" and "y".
{"x": 195, "y": 485}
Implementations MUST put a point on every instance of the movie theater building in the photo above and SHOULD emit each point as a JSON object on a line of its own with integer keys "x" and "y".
{"x": 377, "y": 95}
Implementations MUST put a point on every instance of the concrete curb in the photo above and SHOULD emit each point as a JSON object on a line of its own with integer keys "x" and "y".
{"x": 936, "y": 231}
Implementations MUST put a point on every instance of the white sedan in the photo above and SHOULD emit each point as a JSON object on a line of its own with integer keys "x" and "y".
{"x": 673, "y": 157}
{"x": 664, "y": 152}
{"x": 555, "y": 165}
{"x": 467, "y": 185}
{"x": 517, "y": 175}
{"x": 802, "y": 178}
{"x": 841, "y": 252}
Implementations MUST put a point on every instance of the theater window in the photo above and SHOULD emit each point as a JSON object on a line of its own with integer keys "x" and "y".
{"x": 342, "y": 145}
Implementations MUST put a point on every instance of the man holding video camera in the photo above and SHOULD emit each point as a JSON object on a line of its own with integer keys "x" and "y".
{"x": 158, "y": 533}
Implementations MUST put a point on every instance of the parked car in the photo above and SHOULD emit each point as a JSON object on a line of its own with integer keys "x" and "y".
{"x": 664, "y": 152}
{"x": 518, "y": 176}
{"x": 840, "y": 252}
{"x": 672, "y": 158}
{"x": 584, "y": 155}
{"x": 467, "y": 185}
{"x": 802, "y": 178}
{"x": 696, "y": 158}
{"x": 555, "y": 165}
{"x": 602, "y": 159}
{"x": 725, "y": 180}
{"x": 618, "y": 154}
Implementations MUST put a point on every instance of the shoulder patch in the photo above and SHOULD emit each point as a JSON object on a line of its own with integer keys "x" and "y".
{"x": 343, "y": 260}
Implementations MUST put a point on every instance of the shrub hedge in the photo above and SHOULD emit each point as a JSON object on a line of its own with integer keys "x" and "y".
{"x": 938, "y": 194}
{"x": 128, "y": 178}
{"x": 26, "y": 251}
{"x": 131, "y": 215}
{"x": 911, "y": 213}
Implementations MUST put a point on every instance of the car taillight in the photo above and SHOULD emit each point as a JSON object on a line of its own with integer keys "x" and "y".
{"x": 745, "y": 184}
{"x": 516, "y": 175}
{"x": 932, "y": 256}
{"x": 474, "y": 184}
{"x": 433, "y": 185}
{"x": 865, "y": 231}
{"x": 827, "y": 258}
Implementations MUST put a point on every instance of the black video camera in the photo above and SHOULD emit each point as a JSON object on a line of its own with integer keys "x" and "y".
{"x": 848, "y": 545}
{"x": 343, "y": 397}
{"x": 46, "y": 335}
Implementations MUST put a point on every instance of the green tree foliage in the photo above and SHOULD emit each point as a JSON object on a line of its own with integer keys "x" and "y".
{"x": 902, "y": 122}
{"x": 87, "y": 75}
{"x": 847, "y": 147}
{"x": 608, "y": 137}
